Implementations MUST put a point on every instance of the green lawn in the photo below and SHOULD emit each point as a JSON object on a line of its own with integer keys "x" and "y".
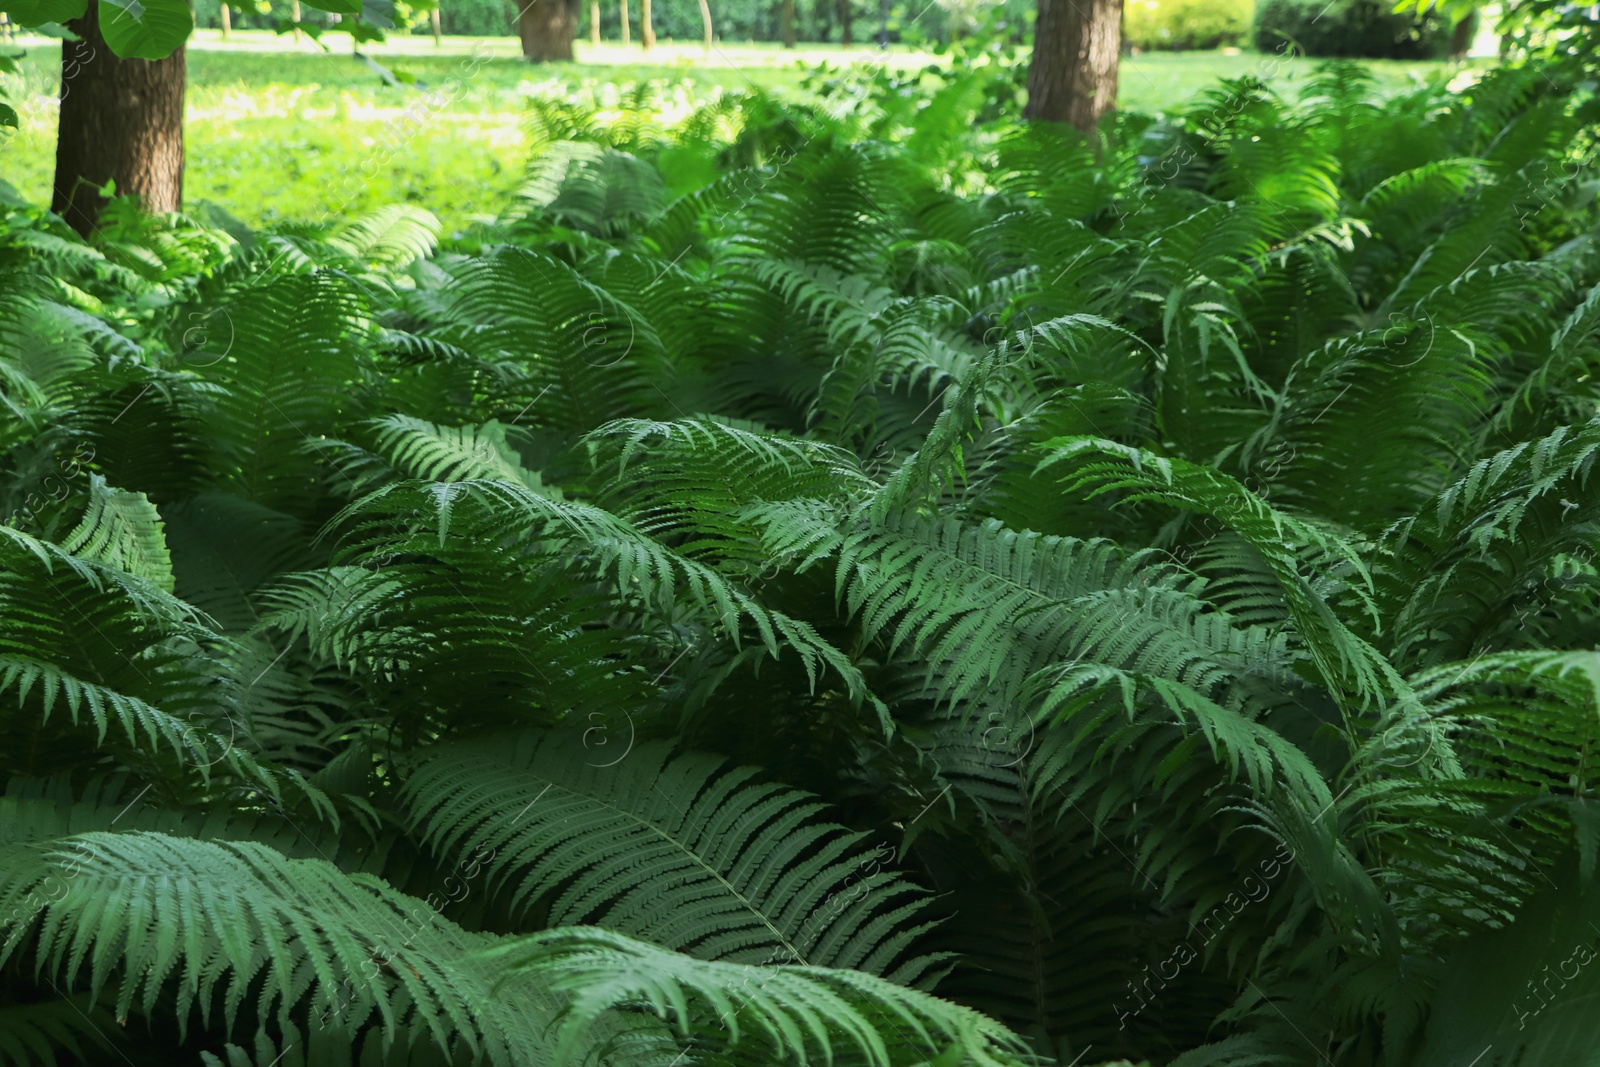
{"x": 1158, "y": 81}
{"x": 276, "y": 130}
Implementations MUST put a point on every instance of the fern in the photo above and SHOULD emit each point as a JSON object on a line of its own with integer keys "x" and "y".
{"x": 797, "y": 1014}
{"x": 244, "y": 905}
{"x": 678, "y": 850}
{"x": 875, "y": 560}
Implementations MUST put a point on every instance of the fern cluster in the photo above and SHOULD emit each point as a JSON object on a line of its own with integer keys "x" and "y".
{"x": 896, "y": 589}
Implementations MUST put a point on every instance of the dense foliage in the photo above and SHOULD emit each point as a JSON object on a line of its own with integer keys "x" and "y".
{"x": 1370, "y": 29}
{"x": 796, "y": 583}
{"x": 733, "y": 20}
{"x": 1179, "y": 25}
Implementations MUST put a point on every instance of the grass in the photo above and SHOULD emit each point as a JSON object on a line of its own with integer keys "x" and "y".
{"x": 279, "y": 130}
{"x": 1161, "y": 81}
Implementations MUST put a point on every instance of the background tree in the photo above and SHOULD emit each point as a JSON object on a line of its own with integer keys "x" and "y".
{"x": 1461, "y": 37}
{"x": 786, "y": 23}
{"x": 647, "y": 32}
{"x": 705, "y": 18}
{"x": 122, "y": 96}
{"x": 1073, "y": 75}
{"x": 547, "y": 28}
{"x": 121, "y": 123}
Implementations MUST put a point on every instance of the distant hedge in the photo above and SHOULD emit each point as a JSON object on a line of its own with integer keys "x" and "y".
{"x": 1367, "y": 29}
{"x": 733, "y": 20}
{"x": 1178, "y": 25}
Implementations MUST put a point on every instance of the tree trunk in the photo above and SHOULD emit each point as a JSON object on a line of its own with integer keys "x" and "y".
{"x": 594, "y": 22}
{"x": 844, "y": 23}
{"x": 647, "y": 32}
{"x": 294, "y": 13}
{"x": 1073, "y": 74}
{"x": 883, "y": 29}
{"x": 227, "y": 20}
{"x": 121, "y": 121}
{"x": 627, "y": 33}
{"x": 547, "y": 28}
{"x": 1461, "y": 38}
{"x": 438, "y": 31}
{"x": 786, "y": 23}
{"x": 705, "y": 19}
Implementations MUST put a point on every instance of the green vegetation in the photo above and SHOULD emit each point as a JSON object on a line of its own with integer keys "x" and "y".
{"x": 273, "y": 134}
{"x": 1185, "y": 25}
{"x": 1364, "y": 28}
{"x": 829, "y": 577}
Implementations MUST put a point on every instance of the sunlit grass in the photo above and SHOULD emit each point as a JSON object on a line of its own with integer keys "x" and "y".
{"x": 280, "y": 130}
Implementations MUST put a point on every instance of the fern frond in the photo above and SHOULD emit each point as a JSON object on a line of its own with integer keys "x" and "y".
{"x": 393, "y": 236}
{"x": 268, "y": 940}
{"x": 627, "y": 556}
{"x": 792, "y": 1014}
{"x": 449, "y": 454}
{"x": 679, "y": 850}
{"x": 123, "y": 530}
{"x": 1345, "y": 659}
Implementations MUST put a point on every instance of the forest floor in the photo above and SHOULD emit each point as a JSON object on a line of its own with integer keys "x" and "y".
{"x": 275, "y": 126}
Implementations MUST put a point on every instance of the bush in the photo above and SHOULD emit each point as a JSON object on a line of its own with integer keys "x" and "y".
{"x": 1367, "y": 29}
{"x": 1177, "y": 25}
{"x": 478, "y": 18}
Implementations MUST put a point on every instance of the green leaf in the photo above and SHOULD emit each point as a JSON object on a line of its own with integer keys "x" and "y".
{"x": 791, "y": 1014}
{"x": 338, "y": 7}
{"x": 122, "y": 529}
{"x": 362, "y": 32}
{"x": 37, "y": 12}
{"x": 378, "y": 13}
{"x": 136, "y": 30}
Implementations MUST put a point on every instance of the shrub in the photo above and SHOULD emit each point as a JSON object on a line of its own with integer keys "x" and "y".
{"x": 1354, "y": 28}
{"x": 477, "y": 18}
{"x": 1178, "y": 25}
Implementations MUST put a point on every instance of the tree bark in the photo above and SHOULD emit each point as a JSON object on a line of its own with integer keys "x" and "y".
{"x": 547, "y": 28}
{"x": 1073, "y": 75}
{"x": 227, "y": 20}
{"x": 786, "y": 23}
{"x": 1461, "y": 38}
{"x": 705, "y": 18}
{"x": 626, "y": 31}
{"x": 844, "y": 23}
{"x": 647, "y": 32}
{"x": 121, "y": 121}
{"x": 594, "y": 22}
{"x": 294, "y": 13}
{"x": 438, "y": 31}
